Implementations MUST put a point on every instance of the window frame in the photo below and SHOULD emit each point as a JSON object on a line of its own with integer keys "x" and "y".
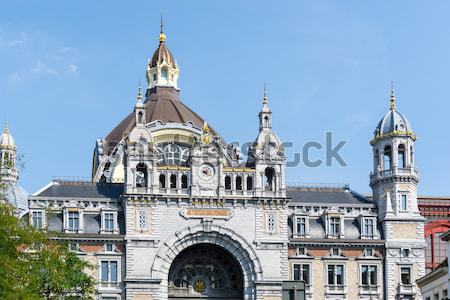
{"x": 42, "y": 220}
{"x": 141, "y": 212}
{"x": 271, "y": 228}
{"x": 302, "y": 265}
{"x": 109, "y": 282}
{"x": 335, "y": 265}
{"x": 104, "y": 229}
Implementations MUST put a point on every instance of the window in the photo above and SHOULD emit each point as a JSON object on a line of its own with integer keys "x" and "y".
{"x": 184, "y": 181}
{"x": 301, "y": 251}
{"x": 154, "y": 77}
{"x": 162, "y": 181}
{"x": 405, "y": 252}
{"x": 401, "y": 156}
{"x": 239, "y": 183}
{"x": 142, "y": 219}
{"x": 387, "y": 158}
{"x": 109, "y": 247}
{"x": 38, "y": 219}
{"x": 445, "y": 294}
{"x": 335, "y": 252}
{"x": 301, "y": 273}
{"x": 109, "y": 221}
{"x": 74, "y": 220}
{"x": 436, "y": 296}
{"x": 141, "y": 175}
{"x": 249, "y": 183}
{"x": 301, "y": 225}
{"x": 271, "y": 222}
{"x": 405, "y": 274}
{"x": 404, "y": 202}
{"x": 74, "y": 247}
{"x": 368, "y": 252}
{"x": 369, "y": 275}
{"x": 173, "y": 181}
{"x": 368, "y": 227}
{"x": 164, "y": 73}
{"x": 335, "y": 226}
{"x": 109, "y": 271}
{"x": 335, "y": 274}
{"x": 227, "y": 182}
{"x": 270, "y": 176}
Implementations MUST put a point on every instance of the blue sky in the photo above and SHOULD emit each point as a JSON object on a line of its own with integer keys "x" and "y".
{"x": 69, "y": 74}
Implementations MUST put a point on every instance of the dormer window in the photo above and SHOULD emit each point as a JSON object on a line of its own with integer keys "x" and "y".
{"x": 37, "y": 219}
{"x": 368, "y": 227}
{"x": 73, "y": 220}
{"x": 301, "y": 225}
{"x": 334, "y": 225}
{"x": 109, "y": 222}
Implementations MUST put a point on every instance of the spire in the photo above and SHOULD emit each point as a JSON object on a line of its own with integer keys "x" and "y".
{"x": 392, "y": 100}
{"x": 265, "y": 108}
{"x": 6, "y": 130}
{"x": 139, "y": 97}
{"x": 162, "y": 36}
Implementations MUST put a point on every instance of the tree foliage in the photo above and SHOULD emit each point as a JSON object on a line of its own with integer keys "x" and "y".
{"x": 32, "y": 266}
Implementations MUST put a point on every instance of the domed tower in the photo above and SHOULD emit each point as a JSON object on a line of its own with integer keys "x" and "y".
{"x": 267, "y": 155}
{"x": 162, "y": 69}
{"x": 394, "y": 185}
{"x": 8, "y": 168}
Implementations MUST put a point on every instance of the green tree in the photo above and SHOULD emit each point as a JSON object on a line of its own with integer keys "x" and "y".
{"x": 33, "y": 266}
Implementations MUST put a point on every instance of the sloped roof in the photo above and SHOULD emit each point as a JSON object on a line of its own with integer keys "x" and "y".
{"x": 325, "y": 196}
{"x": 81, "y": 190}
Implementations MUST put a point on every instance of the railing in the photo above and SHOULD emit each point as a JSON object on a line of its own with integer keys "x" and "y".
{"x": 406, "y": 289}
{"x": 369, "y": 289}
{"x": 335, "y": 289}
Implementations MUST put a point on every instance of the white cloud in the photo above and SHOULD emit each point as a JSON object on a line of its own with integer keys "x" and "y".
{"x": 41, "y": 68}
{"x": 20, "y": 40}
{"x": 73, "y": 68}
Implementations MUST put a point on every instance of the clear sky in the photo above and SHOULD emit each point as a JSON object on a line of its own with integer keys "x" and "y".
{"x": 69, "y": 72}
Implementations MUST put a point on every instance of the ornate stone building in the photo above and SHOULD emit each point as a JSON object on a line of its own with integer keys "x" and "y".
{"x": 174, "y": 212}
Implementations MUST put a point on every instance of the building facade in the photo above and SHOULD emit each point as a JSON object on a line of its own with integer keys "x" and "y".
{"x": 174, "y": 212}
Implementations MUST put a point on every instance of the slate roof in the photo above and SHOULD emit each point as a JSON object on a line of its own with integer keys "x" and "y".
{"x": 325, "y": 196}
{"x": 81, "y": 190}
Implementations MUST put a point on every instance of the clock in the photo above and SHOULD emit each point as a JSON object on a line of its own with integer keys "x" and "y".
{"x": 206, "y": 172}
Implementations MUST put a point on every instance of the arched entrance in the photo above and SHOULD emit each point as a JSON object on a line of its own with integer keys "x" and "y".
{"x": 205, "y": 271}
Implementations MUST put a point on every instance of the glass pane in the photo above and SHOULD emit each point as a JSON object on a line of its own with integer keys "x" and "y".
{"x": 330, "y": 274}
{"x": 296, "y": 272}
{"x": 104, "y": 271}
{"x": 114, "y": 271}
{"x": 306, "y": 274}
{"x": 364, "y": 275}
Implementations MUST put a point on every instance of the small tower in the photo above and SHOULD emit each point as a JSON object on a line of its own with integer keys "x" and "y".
{"x": 162, "y": 69}
{"x": 394, "y": 185}
{"x": 139, "y": 109}
{"x": 267, "y": 155}
{"x": 8, "y": 167}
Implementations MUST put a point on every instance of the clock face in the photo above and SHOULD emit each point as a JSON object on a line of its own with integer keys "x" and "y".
{"x": 206, "y": 172}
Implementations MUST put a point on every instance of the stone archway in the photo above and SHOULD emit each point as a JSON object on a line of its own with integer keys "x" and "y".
{"x": 225, "y": 238}
{"x": 205, "y": 271}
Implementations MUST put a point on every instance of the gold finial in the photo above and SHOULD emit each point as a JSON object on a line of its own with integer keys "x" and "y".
{"x": 392, "y": 100}
{"x": 6, "y": 127}
{"x": 162, "y": 36}
{"x": 139, "y": 97}
{"x": 206, "y": 128}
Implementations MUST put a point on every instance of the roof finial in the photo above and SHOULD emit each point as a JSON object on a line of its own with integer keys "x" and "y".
{"x": 139, "y": 97}
{"x": 265, "y": 95}
{"x": 6, "y": 130}
{"x": 392, "y": 100}
{"x": 162, "y": 36}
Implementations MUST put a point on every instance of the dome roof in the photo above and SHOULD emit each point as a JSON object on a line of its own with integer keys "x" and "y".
{"x": 6, "y": 139}
{"x": 162, "y": 54}
{"x": 392, "y": 121}
{"x": 162, "y": 104}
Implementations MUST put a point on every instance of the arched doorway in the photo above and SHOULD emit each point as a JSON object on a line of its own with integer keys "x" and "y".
{"x": 205, "y": 271}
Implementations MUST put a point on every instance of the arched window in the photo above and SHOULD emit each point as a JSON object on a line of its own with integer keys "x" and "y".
{"x": 401, "y": 156}
{"x": 141, "y": 175}
{"x": 173, "y": 181}
{"x": 227, "y": 182}
{"x": 239, "y": 183}
{"x": 164, "y": 74}
{"x": 162, "y": 181}
{"x": 387, "y": 158}
{"x": 269, "y": 174}
{"x": 411, "y": 153}
{"x": 140, "y": 115}
{"x": 249, "y": 183}
{"x": 266, "y": 121}
{"x": 184, "y": 181}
